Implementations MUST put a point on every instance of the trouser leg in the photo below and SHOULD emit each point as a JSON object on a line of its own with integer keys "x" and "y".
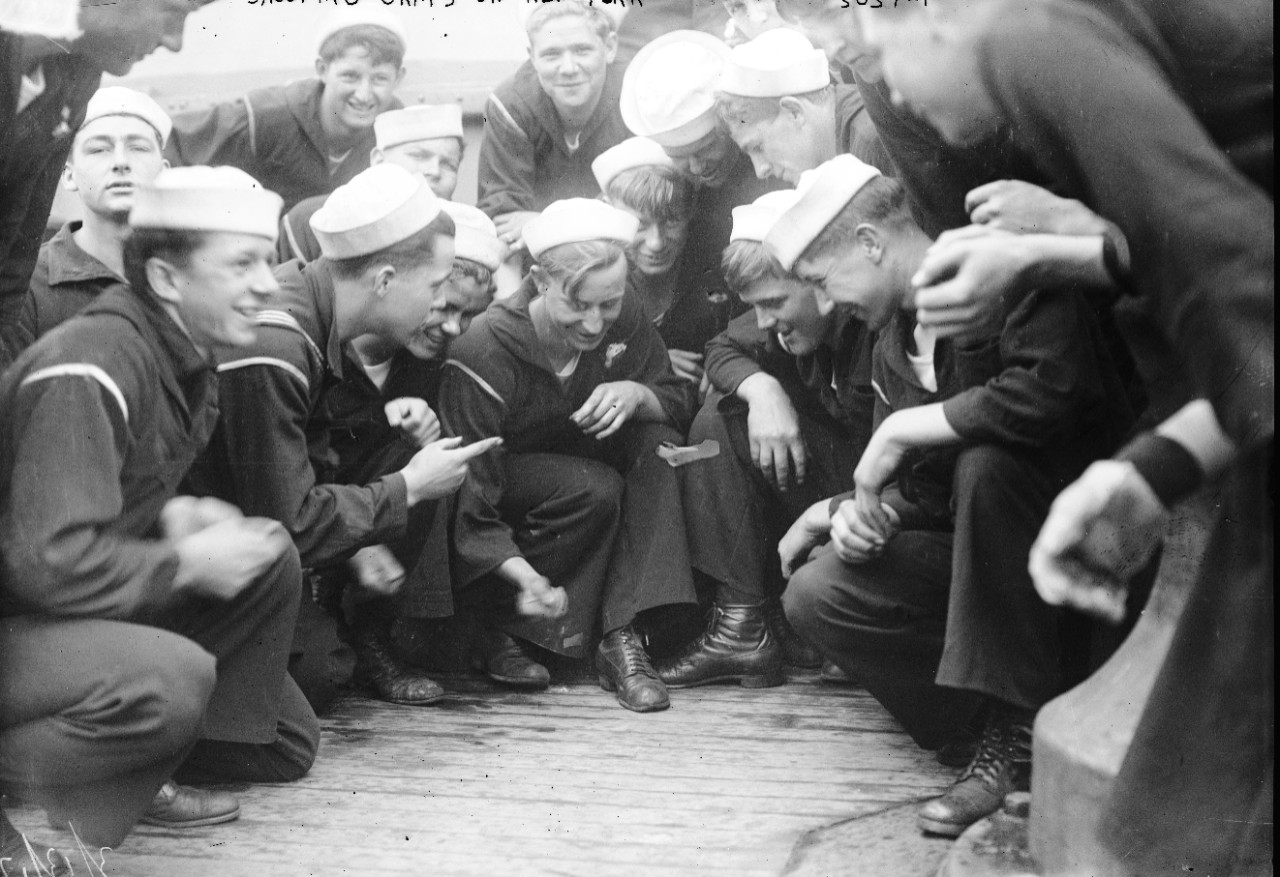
{"x": 284, "y": 759}
{"x": 96, "y": 716}
{"x": 1002, "y": 639}
{"x": 255, "y": 702}
{"x": 735, "y": 517}
{"x": 564, "y": 512}
{"x": 884, "y": 622}
{"x": 423, "y": 550}
{"x": 650, "y": 563}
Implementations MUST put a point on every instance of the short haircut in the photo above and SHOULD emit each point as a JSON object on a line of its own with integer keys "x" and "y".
{"x": 417, "y": 249}
{"x": 572, "y": 263}
{"x": 735, "y": 109}
{"x": 881, "y": 202}
{"x": 746, "y": 263}
{"x": 383, "y": 46}
{"x": 466, "y": 269}
{"x": 173, "y": 245}
{"x": 594, "y": 17}
{"x": 653, "y": 191}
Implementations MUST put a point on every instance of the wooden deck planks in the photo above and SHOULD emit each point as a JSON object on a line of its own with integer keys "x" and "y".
{"x": 566, "y": 782}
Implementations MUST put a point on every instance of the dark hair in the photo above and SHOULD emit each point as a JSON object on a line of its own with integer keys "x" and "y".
{"x": 653, "y": 191}
{"x": 737, "y": 110}
{"x": 595, "y": 17}
{"x": 466, "y": 269}
{"x": 572, "y": 263}
{"x": 383, "y": 46}
{"x": 417, "y": 249}
{"x": 881, "y": 202}
{"x": 172, "y": 245}
{"x": 746, "y": 263}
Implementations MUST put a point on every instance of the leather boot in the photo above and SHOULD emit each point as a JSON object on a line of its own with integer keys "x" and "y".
{"x": 505, "y": 661}
{"x": 735, "y": 647}
{"x": 379, "y": 671}
{"x": 20, "y": 855}
{"x": 1001, "y": 765}
{"x": 795, "y": 651}
{"x": 623, "y": 666}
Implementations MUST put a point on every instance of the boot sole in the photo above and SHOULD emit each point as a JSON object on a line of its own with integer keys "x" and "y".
{"x": 942, "y": 829}
{"x": 768, "y": 680}
{"x": 519, "y": 682}
{"x": 193, "y": 823}
{"x": 608, "y": 685}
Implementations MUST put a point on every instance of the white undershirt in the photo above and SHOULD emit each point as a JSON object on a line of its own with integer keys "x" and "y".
{"x": 30, "y": 88}
{"x": 570, "y": 367}
{"x": 922, "y": 360}
{"x": 378, "y": 373}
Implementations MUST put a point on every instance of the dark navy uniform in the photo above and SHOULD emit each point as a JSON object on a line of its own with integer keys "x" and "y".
{"x": 65, "y": 280}
{"x": 274, "y": 135}
{"x": 106, "y": 679}
{"x": 525, "y": 163}
{"x": 34, "y": 146}
{"x": 298, "y": 441}
{"x": 735, "y": 516}
{"x": 949, "y": 612}
{"x": 600, "y": 519}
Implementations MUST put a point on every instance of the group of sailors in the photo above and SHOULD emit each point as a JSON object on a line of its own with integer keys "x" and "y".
{"x": 880, "y": 335}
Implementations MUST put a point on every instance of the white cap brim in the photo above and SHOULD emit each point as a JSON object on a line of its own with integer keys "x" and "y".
{"x": 823, "y": 192}
{"x": 207, "y": 199}
{"x": 578, "y": 219}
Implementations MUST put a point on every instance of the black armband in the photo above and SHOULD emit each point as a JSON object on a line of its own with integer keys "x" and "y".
{"x": 1172, "y": 471}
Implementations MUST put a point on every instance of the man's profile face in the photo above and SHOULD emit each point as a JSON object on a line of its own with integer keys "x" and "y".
{"x": 223, "y": 285}
{"x": 116, "y": 35}
{"x": 113, "y": 156}
{"x": 780, "y": 148}
{"x": 787, "y": 308}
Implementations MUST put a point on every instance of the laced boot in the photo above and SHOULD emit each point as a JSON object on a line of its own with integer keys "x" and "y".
{"x": 795, "y": 651}
{"x": 379, "y": 671}
{"x": 1001, "y": 765}
{"x": 623, "y": 666}
{"x": 19, "y": 855}
{"x": 506, "y": 661}
{"x": 735, "y": 647}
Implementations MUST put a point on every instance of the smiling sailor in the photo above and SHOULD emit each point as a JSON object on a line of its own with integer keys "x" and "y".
{"x": 309, "y": 136}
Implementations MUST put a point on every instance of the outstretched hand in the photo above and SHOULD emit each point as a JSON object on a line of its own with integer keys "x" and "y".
{"x": 1100, "y": 531}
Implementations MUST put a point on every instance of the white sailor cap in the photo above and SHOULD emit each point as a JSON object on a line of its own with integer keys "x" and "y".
{"x": 751, "y": 222}
{"x": 357, "y": 16}
{"x": 630, "y": 153}
{"x": 202, "y": 198}
{"x": 417, "y": 123}
{"x": 822, "y": 193}
{"x": 116, "y": 100}
{"x": 777, "y": 63}
{"x": 381, "y": 206}
{"x": 669, "y": 89}
{"x": 475, "y": 237}
{"x": 578, "y": 219}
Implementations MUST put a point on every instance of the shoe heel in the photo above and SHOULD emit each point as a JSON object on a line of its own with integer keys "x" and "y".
{"x": 768, "y": 680}
{"x": 606, "y": 683}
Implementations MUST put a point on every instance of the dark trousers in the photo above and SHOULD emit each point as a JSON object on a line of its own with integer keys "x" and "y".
{"x": 423, "y": 550}
{"x": 97, "y": 714}
{"x": 941, "y": 620}
{"x": 735, "y": 516}
{"x": 609, "y": 531}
